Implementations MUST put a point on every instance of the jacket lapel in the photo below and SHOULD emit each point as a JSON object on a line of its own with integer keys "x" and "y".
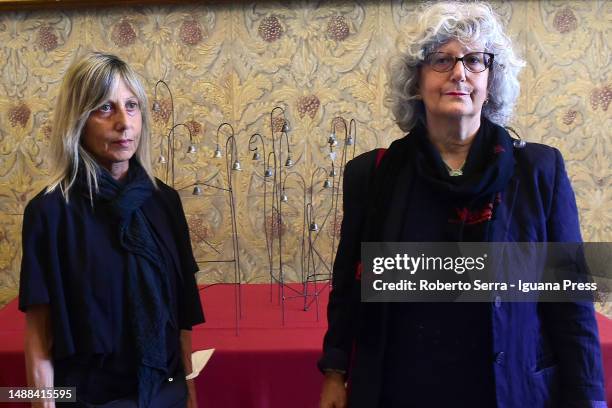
{"x": 394, "y": 221}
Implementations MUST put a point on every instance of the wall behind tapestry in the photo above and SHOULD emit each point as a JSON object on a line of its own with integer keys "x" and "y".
{"x": 318, "y": 60}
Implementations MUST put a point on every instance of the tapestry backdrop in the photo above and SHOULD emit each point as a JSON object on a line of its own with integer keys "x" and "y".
{"x": 316, "y": 60}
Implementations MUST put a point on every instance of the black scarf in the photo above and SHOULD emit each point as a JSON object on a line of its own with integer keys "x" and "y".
{"x": 147, "y": 285}
{"x": 472, "y": 198}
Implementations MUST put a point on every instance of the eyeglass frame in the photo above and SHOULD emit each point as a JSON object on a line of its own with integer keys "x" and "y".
{"x": 457, "y": 59}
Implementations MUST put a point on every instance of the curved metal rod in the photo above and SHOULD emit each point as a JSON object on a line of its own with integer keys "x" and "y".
{"x": 310, "y": 261}
{"x": 272, "y": 117}
{"x": 172, "y": 139}
{"x": 312, "y": 176}
{"x": 274, "y": 212}
{"x": 353, "y": 131}
{"x": 275, "y": 173}
{"x": 252, "y": 141}
{"x": 267, "y": 161}
{"x": 278, "y": 176}
{"x": 304, "y": 222}
{"x": 266, "y": 164}
{"x": 170, "y": 147}
{"x": 231, "y": 154}
{"x": 309, "y": 212}
{"x": 219, "y": 130}
{"x": 171, "y": 132}
{"x": 279, "y": 206}
{"x": 298, "y": 175}
{"x": 288, "y": 145}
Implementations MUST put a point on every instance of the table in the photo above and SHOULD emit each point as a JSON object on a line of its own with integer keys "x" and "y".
{"x": 267, "y": 366}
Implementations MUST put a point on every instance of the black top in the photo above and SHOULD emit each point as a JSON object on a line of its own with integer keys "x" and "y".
{"x": 446, "y": 340}
{"x": 73, "y": 261}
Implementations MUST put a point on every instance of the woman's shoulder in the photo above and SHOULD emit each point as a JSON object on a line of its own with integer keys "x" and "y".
{"x": 538, "y": 157}
{"x": 363, "y": 162}
{"x": 46, "y": 201}
{"x": 538, "y": 151}
{"x": 165, "y": 190}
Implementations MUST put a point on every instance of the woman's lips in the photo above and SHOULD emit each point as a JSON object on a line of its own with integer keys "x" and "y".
{"x": 123, "y": 142}
{"x": 456, "y": 93}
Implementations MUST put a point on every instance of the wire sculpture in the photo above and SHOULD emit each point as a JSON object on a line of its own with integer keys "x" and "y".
{"x": 315, "y": 259}
{"x": 315, "y": 264}
{"x": 311, "y": 259}
{"x": 232, "y": 164}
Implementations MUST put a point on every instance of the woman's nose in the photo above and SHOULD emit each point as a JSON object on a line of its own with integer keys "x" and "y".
{"x": 458, "y": 71}
{"x": 121, "y": 119}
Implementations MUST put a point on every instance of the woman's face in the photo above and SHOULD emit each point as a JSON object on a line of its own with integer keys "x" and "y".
{"x": 112, "y": 132}
{"x": 456, "y": 94}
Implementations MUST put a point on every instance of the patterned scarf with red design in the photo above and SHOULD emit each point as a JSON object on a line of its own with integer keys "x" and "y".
{"x": 471, "y": 198}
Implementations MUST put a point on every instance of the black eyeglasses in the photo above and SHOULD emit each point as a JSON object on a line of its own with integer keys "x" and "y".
{"x": 473, "y": 61}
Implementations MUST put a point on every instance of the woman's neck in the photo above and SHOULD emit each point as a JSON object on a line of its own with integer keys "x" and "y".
{"x": 118, "y": 171}
{"x": 453, "y": 139}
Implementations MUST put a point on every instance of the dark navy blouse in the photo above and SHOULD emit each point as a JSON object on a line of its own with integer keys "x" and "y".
{"x": 72, "y": 260}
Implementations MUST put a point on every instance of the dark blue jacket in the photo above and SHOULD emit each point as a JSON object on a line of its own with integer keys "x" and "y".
{"x": 545, "y": 354}
{"x": 73, "y": 261}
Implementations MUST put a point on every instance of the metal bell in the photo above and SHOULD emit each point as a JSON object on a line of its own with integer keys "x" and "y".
{"x": 161, "y": 159}
{"x": 156, "y": 106}
{"x": 191, "y": 148}
{"x": 217, "y": 153}
{"x": 331, "y": 140}
{"x": 314, "y": 227}
{"x": 327, "y": 183}
{"x": 284, "y": 197}
{"x": 268, "y": 173}
{"x": 350, "y": 141}
{"x": 286, "y": 127}
{"x": 236, "y": 166}
{"x": 256, "y": 155}
{"x": 333, "y": 173}
{"x": 289, "y": 162}
{"x": 197, "y": 190}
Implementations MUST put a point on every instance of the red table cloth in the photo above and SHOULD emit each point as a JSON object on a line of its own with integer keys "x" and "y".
{"x": 268, "y": 365}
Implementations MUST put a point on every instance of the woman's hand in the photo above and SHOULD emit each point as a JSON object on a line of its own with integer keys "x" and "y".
{"x": 333, "y": 394}
{"x": 38, "y": 341}
{"x": 192, "y": 398}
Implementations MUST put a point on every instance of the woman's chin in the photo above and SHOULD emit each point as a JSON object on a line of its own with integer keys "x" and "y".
{"x": 457, "y": 114}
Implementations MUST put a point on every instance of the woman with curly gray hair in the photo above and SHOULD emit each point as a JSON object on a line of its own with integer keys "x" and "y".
{"x": 457, "y": 176}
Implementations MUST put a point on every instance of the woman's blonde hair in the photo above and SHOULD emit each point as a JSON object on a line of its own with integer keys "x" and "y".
{"x": 469, "y": 23}
{"x": 86, "y": 85}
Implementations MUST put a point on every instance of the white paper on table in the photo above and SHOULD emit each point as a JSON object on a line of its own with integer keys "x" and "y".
{"x": 198, "y": 361}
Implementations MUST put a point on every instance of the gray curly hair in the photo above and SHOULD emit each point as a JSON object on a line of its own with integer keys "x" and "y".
{"x": 468, "y": 23}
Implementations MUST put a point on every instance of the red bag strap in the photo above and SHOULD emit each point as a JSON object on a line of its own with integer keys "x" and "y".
{"x": 379, "y": 155}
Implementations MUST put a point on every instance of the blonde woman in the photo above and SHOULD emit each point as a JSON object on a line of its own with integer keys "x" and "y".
{"x": 107, "y": 274}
